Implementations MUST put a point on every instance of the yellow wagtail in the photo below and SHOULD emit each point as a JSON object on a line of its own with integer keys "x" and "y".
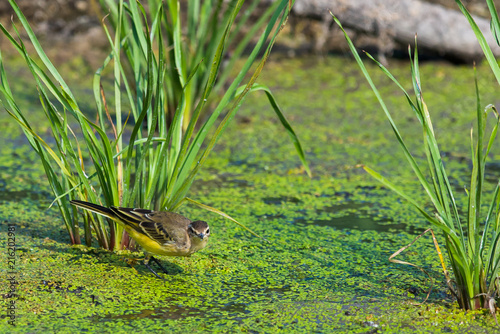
{"x": 158, "y": 232}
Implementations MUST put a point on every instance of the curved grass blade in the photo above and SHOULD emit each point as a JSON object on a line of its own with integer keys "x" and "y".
{"x": 402, "y": 249}
{"x": 405, "y": 149}
{"x": 495, "y": 22}
{"x": 410, "y": 199}
{"x": 220, "y": 213}
{"x": 482, "y": 40}
{"x": 283, "y": 120}
{"x": 43, "y": 57}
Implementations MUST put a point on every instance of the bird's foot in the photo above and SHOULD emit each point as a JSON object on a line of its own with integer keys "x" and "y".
{"x": 132, "y": 263}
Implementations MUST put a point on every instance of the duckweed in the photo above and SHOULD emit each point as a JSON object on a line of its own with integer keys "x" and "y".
{"x": 325, "y": 267}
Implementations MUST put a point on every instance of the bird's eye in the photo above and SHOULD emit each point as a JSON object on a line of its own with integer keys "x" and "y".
{"x": 208, "y": 231}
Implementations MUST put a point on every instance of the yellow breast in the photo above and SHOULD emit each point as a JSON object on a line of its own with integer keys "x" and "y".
{"x": 154, "y": 247}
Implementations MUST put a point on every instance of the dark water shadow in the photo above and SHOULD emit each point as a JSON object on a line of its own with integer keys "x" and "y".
{"x": 17, "y": 196}
{"x": 361, "y": 219}
{"x": 361, "y": 222}
{"x": 280, "y": 200}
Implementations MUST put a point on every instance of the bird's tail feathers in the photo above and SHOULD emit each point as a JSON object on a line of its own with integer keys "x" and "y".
{"x": 94, "y": 208}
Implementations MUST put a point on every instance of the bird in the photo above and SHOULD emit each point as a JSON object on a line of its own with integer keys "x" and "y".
{"x": 157, "y": 232}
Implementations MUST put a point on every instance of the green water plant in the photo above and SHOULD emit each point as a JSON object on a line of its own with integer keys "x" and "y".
{"x": 132, "y": 155}
{"x": 471, "y": 236}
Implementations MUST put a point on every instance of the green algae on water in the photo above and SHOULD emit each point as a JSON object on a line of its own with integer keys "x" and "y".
{"x": 326, "y": 267}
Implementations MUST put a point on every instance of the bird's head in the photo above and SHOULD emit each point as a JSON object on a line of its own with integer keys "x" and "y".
{"x": 199, "y": 229}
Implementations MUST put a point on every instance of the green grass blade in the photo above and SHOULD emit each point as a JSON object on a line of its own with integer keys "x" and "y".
{"x": 187, "y": 180}
{"x": 184, "y": 160}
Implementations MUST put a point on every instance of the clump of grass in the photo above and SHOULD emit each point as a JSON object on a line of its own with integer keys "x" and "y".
{"x": 133, "y": 154}
{"x": 473, "y": 243}
{"x": 193, "y": 32}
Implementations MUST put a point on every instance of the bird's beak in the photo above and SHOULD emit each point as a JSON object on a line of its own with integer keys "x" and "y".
{"x": 201, "y": 236}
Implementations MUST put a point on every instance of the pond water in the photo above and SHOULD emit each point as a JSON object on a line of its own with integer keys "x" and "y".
{"x": 325, "y": 267}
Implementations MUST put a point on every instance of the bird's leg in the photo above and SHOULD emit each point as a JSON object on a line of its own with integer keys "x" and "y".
{"x": 146, "y": 263}
{"x": 159, "y": 264}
